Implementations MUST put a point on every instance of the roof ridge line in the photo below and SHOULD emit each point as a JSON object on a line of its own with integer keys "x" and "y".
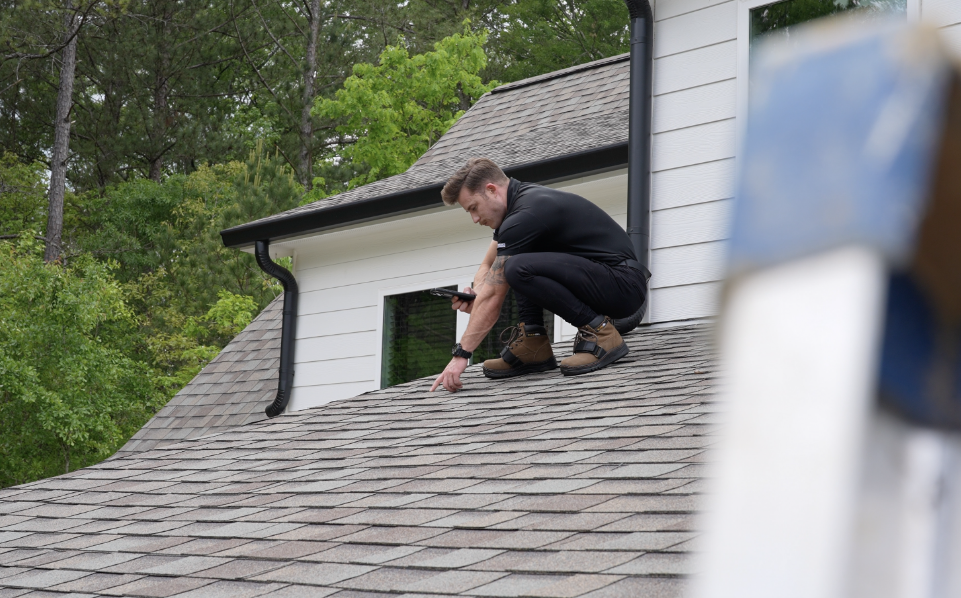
{"x": 561, "y": 73}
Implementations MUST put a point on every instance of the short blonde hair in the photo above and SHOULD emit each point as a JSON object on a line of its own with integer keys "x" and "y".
{"x": 473, "y": 175}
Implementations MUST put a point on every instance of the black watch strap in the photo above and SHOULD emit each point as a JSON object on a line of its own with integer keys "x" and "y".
{"x": 459, "y": 351}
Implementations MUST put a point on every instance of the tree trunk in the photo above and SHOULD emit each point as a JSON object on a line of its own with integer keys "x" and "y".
{"x": 61, "y": 140}
{"x": 306, "y": 123}
{"x": 161, "y": 91}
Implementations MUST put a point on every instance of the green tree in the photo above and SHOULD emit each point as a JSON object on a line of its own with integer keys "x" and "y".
{"x": 174, "y": 267}
{"x": 155, "y": 87}
{"x": 394, "y": 111}
{"x": 532, "y": 37}
{"x": 295, "y": 53}
{"x": 69, "y": 393}
{"x": 22, "y": 196}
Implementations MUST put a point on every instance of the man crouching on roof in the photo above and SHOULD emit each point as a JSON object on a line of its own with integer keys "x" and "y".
{"x": 559, "y": 252}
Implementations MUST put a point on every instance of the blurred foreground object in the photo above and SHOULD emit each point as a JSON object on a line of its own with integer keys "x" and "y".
{"x": 839, "y": 468}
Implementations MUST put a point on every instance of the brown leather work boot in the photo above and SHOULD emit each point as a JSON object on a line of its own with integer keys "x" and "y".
{"x": 594, "y": 348}
{"x": 528, "y": 350}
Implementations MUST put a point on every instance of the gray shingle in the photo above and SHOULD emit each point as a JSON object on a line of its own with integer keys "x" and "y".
{"x": 315, "y": 573}
{"x": 234, "y": 386}
{"x": 330, "y": 500}
{"x": 231, "y": 589}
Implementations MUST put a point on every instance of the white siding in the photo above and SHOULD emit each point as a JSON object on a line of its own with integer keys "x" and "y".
{"x": 946, "y": 14}
{"x": 952, "y": 36}
{"x": 695, "y": 89}
{"x": 694, "y": 30}
{"x": 696, "y": 67}
{"x": 666, "y": 9}
{"x": 687, "y": 264}
{"x": 941, "y": 12}
{"x": 699, "y": 183}
{"x": 695, "y": 106}
{"x": 696, "y": 223}
{"x": 694, "y": 145}
{"x": 684, "y": 302}
{"x": 344, "y": 275}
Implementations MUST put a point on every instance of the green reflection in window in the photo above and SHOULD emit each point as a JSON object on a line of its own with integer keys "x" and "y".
{"x": 780, "y": 17}
{"x": 419, "y": 331}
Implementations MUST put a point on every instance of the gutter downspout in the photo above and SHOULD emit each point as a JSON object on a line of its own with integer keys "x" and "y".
{"x": 639, "y": 132}
{"x": 289, "y": 326}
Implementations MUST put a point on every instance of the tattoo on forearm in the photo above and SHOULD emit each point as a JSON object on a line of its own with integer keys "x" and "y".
{"x": 496, "y": 274}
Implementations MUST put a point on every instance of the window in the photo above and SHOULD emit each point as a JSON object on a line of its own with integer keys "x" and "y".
{"x": 777, "y": 19}
{"x": 419, "y": 331}
{"x": 760, "y": 21}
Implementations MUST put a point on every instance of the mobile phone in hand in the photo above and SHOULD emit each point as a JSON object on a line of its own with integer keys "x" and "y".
{"x": 449, "y": 293}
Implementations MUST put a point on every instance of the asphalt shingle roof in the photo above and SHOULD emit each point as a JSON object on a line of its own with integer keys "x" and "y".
{"x": 543, "y": 486}
{"x": 231, "y": 390}
{"x": 557, "y": 114}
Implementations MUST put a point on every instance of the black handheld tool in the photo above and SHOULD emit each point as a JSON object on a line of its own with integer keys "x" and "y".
{"x": 449, "y": 293}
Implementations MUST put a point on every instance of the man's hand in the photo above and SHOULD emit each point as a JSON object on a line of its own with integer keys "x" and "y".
{"x": 450, "y": 377}
{"x": 463, "y": 306}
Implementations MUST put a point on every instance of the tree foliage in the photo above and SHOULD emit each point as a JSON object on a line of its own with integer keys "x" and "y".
{"x": 538, "y": 36}
{"x": 190, "y": 117}
{"x": 70, "y": 394}
{"x": 395, "y": 110}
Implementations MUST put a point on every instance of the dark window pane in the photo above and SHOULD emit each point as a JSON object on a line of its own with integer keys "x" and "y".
{"x": 491, "y": 345}
{"x": 781, "y": 16}
{"x": 419, "y": 331}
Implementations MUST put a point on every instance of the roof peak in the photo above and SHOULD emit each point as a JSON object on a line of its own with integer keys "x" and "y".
{"x": 561, "y": 73}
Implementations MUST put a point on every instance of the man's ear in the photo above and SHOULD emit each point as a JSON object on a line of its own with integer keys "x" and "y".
{"x": 491, "y": 188}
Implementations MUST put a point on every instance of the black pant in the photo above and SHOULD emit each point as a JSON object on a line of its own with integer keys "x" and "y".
{"x": 575, "y": 288}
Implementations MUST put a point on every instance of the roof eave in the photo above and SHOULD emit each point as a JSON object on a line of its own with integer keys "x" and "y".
{"x": 555, "y": 169}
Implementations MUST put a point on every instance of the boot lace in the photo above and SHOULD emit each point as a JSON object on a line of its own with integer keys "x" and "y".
{"x": 513, "y": 334}
{"x": 585, "y": 335}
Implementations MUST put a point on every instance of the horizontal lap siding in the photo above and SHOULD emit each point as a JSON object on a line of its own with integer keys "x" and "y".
{"x": 352, "y": 344}
{"x": 337, "y": 371}
{"x": 341, "y": 321}
{"x": 941, "y": 12}
{"x": 687, "y": 264}
{"x": 666, "y": 9}
{"x": 695, "y": 89}
{"x": 685, "y": 302}
{"x": 693, "y": 30}
{"x": 695, "y": 106}
{"x": 946, "y": 14}
{"x": 685, "y": 225}
{"x": 395, "y": 266}
{"x": 692, "y": 184}
{"x": 952, "y": 37}
{"x": 342, "y": 277}
{"x": 696, "y": 67}
{"x": 694, "y": 145}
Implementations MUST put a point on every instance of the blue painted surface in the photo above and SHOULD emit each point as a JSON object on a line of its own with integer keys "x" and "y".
{"x": 920, "y": 375}
{"x": 838, "y": 150}
{"x": 841, "y": 148}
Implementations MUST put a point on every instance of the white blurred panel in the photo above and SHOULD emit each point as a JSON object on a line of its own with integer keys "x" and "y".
{"x": 799, "y": 344}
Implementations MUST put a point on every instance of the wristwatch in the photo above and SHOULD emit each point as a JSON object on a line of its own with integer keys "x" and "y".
{"x": 459, "y": 351}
